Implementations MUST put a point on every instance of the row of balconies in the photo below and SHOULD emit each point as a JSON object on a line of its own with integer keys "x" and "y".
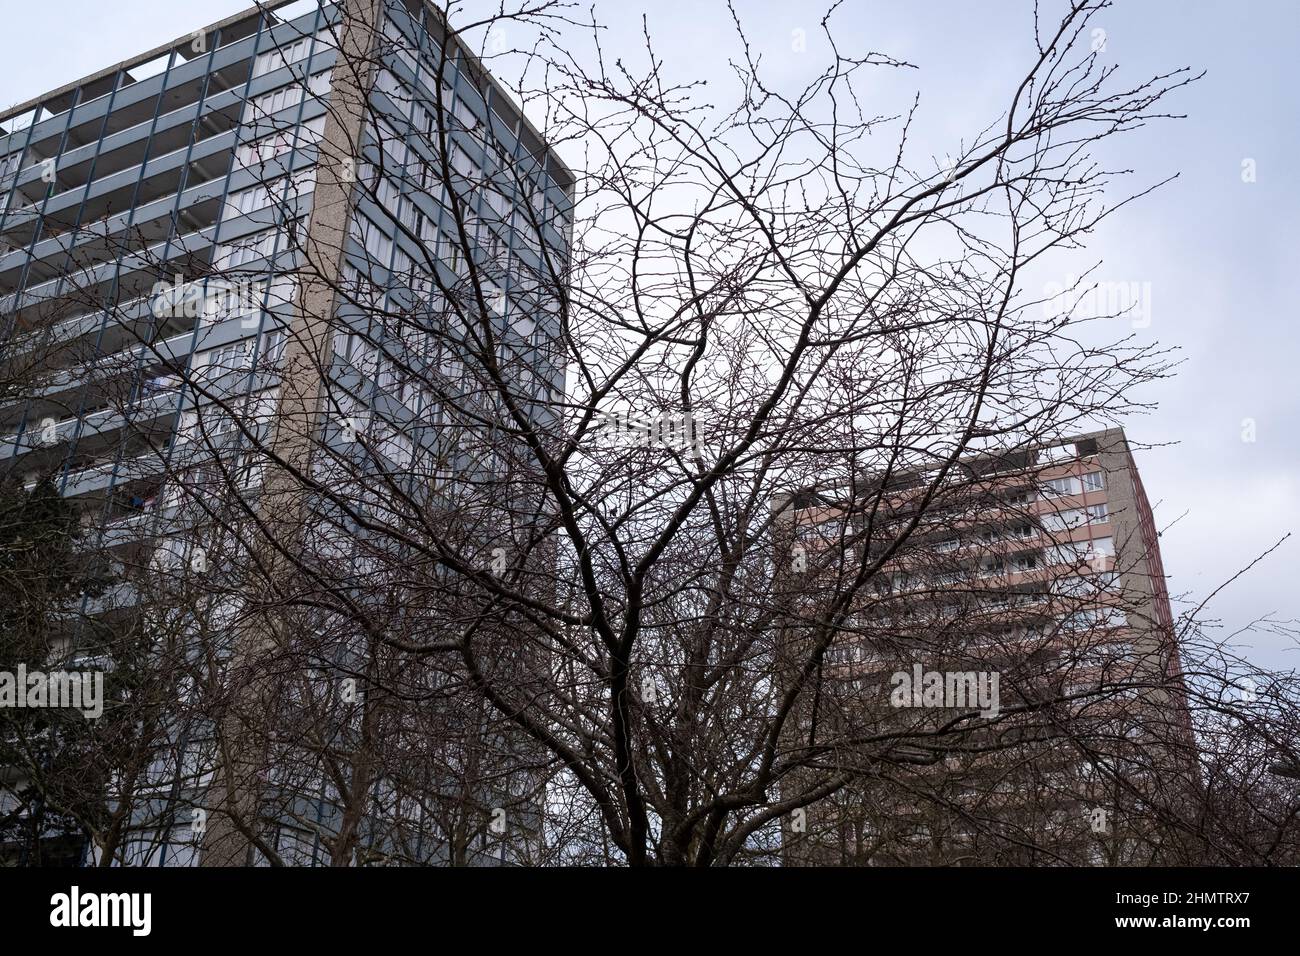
{"x": 149, "y": 218}
{"x": 133, "y": 103}
{"x": 214, "y": 325}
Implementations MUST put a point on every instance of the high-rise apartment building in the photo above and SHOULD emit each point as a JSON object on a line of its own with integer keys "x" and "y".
{"x": 202, "y": 248}
{"x": 1011, "y": 669}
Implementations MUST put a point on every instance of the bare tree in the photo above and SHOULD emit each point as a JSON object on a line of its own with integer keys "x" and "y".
{"x": 492, "y": 551}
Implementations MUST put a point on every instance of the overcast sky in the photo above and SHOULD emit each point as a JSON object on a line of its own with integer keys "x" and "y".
{"x": 1218, "y": 257}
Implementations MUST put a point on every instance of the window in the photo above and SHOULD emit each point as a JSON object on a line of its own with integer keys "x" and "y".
{"x": 1094, "y": 481}
{"x": 386, "y": 191}
{"x": 390, "y": 85}
{"x": 1026, "y": 562}
{"x": 1102, "y": 546}
{"x": 497, "y": 200}
{"x": 236, "y": 357}
{"x": 387, "y": 378}
{"x": 273, "y": 347}
{"x": 411, "y": 393}
{"x": 242, "y": 300}
{"x": 1056, "y": 487}
{"x": 466, "y": 115}
{"x": 9, "y": 166}
{"x": 342, "y": 344}
{"x": 1072, "y": 587}
{"x": 1120, "y": 650}
{"x": 525, "y": 233}
{"x": 377, "y": 244}
{"x": 428, "y": 233}
{"x": 1056, "y": 453}
{"x": 396, "y": 447}
{"x": 143, "y": 849}
{"x": 401, "y": 264}
{"x": 248, "y": 200}
{"x": 264, "y": 150}
{"x": 287, "y": 53}
{"x": 249, "y": 472}
{"x": 363, "y": 355}
{"x": 462, "y": 163}
{"x": 259, "y": 197}
{"x": 1086, "y": 586}
{"x": 273, "y": 102}
{"x": 350, "y": 408}
{"x": 289, "y": 95}
{"x": 259, "y": 411}
{"x": 449, "y": 252}
{"x": 395, "y": 152}
{"x": 240, "y": 252}
{"x": 297, "y": 847}
{"x": 1069, "y": 553}
{"x": 357, "y": 288}
{"x": 430, "y": 179}
{"x": 1103, "y": 616}
{"x": 182, "y": 850}
{"x": 283, "y": 291}
{"x": 422, "y": 121}
{"x": 524, "y": 327}
{"x": 1097, "y": 513}
{"x": 445, "y": 91}
{"x": 1079, "y": 620}
{"x": 1063, "y": 520}
{"x": 271, "y": 147}
{"x": 399, "y": 44}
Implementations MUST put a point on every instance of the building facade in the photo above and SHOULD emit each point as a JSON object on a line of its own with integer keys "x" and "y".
{"x": 1013, "y": 662}
{"x": 202, "y": 250}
